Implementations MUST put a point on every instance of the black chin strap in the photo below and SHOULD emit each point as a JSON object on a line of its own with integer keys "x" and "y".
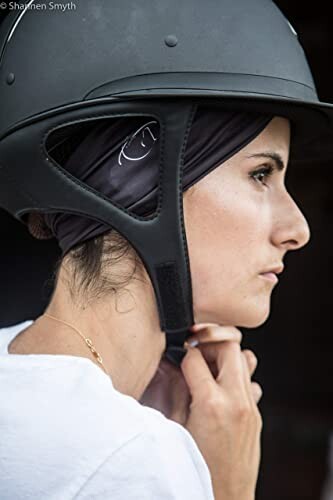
{"x": 175, "y": 351}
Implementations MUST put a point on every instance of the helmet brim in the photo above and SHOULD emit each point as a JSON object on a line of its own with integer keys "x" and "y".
{"x": 312, "y": 121}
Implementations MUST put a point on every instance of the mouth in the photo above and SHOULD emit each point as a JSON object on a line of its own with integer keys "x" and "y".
{"x": 271, "y": 274}
{"x": 270, "y": 277}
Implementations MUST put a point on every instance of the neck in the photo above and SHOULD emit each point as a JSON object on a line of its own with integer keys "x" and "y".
{"x": 124, "y": 329}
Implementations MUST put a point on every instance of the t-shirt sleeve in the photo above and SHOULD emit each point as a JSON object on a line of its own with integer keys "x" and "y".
{"x": 150, "y": 468}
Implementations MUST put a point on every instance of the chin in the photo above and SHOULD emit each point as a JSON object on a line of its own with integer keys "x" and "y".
{"x": 253, "y": 323}
{"x": 249, "y": 312}
{"x": 257, "y": 318}
{"x": 248, "y": 317}
{"x": 239, "y": 321}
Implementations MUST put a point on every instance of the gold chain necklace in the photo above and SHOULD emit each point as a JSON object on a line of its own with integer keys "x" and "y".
{"x": 86, "y": 339}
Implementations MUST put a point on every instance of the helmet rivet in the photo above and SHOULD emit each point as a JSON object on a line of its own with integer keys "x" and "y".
{"x": 171, "y": 40}
{"x": 10, "y": 78}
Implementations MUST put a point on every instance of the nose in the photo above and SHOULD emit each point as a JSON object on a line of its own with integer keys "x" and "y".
{"x": 291, "y": 230}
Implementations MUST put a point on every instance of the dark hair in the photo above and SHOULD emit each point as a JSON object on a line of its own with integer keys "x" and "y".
{"x": 94, "y": 267}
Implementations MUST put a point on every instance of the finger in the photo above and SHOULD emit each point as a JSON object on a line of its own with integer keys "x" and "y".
{"x": 230, "y": 364}
{"x": 216, "y": 333}
{"x": 251, "y": 360}
{"x": 220, "y": 352}
{"x": 232, "y": 371}
{"x": 212, "y": 334}
{"x": 200, "y": 326}
{"x": 256, "y": 391}
{"x": 247, "y": 378}
{"x": 196, "y": 373}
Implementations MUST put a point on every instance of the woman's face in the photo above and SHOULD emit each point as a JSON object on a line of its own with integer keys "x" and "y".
{"x": 240, "y": 222}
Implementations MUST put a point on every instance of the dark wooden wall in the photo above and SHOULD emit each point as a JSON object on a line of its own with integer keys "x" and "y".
{"x": 294, "y": 347}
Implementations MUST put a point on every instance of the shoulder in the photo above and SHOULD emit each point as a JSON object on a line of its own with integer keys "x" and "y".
{"x": 163, "y": 465}
{"x": 64, "y": 392}
{"x": 102, "y": 440}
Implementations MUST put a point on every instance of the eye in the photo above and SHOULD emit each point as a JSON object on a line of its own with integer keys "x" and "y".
{"x": 260, "y": 174}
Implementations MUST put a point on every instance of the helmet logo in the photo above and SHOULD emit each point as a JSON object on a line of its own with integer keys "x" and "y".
{"x": 140, "y": 144}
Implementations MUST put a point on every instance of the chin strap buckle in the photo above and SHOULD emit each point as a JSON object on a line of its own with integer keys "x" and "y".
{"x": 175, "y": 350}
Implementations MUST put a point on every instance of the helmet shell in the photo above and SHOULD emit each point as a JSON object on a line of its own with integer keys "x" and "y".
{"x": 102, "y": 48}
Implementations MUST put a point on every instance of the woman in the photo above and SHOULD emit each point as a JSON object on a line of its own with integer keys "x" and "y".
{"x": 240, "y": 221}
{"x": 90, "y": 409}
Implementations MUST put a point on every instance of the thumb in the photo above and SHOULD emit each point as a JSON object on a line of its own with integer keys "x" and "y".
{"x": 196, "y": 372}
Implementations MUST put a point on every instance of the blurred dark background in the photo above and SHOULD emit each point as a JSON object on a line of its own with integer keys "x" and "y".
{"x": 294, "y": 347}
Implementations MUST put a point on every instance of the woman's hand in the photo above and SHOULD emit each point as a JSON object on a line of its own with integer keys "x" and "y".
{"x": 168, "y": 391}
{"x": 224, "y": 419}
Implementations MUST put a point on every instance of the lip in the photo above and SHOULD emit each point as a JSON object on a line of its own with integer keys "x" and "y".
{"x": 276, "y": 269}
{"x": 270, "y": 277}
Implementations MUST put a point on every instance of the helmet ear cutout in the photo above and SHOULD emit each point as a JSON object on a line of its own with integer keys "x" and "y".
{"x": 63, "y": 141}
{"x": 60, "y": 145}
{"x": 118, "y": 157}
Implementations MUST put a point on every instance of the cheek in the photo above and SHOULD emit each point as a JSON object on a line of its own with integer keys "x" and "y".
{"x": 227, "y": 233}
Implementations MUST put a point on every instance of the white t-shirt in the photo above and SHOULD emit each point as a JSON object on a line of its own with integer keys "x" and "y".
{"x": 67, "y": 433}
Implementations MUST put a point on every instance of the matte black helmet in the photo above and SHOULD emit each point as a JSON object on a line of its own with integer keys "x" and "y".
{"x": 102, "y": 58}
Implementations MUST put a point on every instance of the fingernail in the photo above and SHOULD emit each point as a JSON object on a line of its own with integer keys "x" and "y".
{"x": 192, "y": 342}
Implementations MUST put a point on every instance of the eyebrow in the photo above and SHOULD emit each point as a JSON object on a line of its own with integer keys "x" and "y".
{"x": 271, "y": 155}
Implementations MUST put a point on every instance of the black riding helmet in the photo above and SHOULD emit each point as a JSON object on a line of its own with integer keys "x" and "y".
{"x": 158, "y": 59}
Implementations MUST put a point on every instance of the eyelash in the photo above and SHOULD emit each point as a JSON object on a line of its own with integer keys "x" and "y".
{"x": 267, "y": 170}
